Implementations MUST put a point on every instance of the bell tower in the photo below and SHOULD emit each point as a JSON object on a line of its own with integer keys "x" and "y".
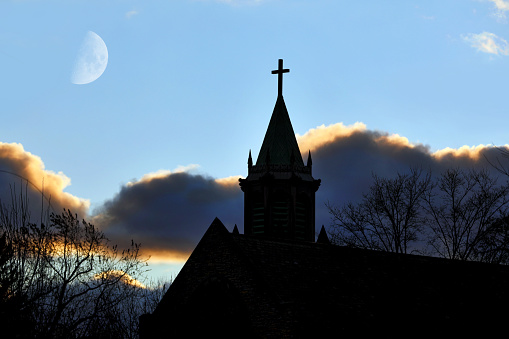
{"x": 279, "y": 190}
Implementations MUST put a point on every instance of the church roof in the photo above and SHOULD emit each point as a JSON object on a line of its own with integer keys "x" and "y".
{"x": 322, "y": 289}
{"x": 280, "y": 142}
{"x": 320, "y": 284}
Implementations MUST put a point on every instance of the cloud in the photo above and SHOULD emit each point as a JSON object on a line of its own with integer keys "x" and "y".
{"x": 124, "y": 277}
{"x": 130, "y": 14}
{"x": 472, "y": 152}
{"x": 169, "y": 211}
{"x": 163, "y": 173}
{"x": 488, "y": 43}
{"x": 20, "y": 169}
{"x": 501, "y": 6}
{"x": 322, "y": 135}
{"x": 346, "y": 162}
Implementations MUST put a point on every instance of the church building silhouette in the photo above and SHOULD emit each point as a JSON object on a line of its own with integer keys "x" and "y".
{"x": 276, "y": 281}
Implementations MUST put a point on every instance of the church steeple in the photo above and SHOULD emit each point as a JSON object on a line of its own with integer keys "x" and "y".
{"x": 279, "y": 191}
{"x": 280, "y": 142}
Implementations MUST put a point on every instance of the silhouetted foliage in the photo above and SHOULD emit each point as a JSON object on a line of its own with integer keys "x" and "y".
{"x": 63, "y": 279}
{"x": 458, "y": 215}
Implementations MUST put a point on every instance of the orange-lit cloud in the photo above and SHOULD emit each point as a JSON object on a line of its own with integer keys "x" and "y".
{"x": 472, "y": 152}
{"x": 162, "y": 174}
{"x": 323, "y": 135}
{"x": 164, "y": 255}
{"x": 170, "y": 207}
{"x": 345, "y": 157}
{"x": 21, "y": 168}
{"x": 124, "y": 277}
{"x": 169, "y": 211}
{"x": 229, "y": 182}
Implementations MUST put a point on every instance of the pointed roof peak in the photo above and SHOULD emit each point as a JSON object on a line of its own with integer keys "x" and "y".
{"x": 217, "y": 227}
{"x": 235, "y": 230}
{"x": 322, "y": 237}
{"x": 280, "y": 142}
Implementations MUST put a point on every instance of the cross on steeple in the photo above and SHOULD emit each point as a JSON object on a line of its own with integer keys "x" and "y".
{"x": 279, "y": 73}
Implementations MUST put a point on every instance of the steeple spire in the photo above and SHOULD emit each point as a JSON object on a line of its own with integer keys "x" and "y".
{"x": 280, "y": 139}
{"x": 279, "y": 191}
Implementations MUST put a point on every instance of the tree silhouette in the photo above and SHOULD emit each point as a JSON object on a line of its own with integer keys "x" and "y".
{"x": 63, "y": 278}
{"x": 459, "y": 215}
{"x": 388, "y": 217}
{"x": 465, "y": 211}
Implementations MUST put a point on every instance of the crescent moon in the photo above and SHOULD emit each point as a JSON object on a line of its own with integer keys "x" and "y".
{"x": 91, "y": 61}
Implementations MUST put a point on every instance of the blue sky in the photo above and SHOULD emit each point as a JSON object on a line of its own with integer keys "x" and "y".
{"x": 189, "y": 83}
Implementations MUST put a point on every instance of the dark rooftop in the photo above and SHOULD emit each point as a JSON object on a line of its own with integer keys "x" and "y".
{"x": 317, "y": 289}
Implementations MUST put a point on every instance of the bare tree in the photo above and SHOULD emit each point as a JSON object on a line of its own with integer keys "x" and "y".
{"x": 498, "y": 165}
{"x": 464, "y": 210}
{"x": 388, "y": 217}
{"x": 122, "y": 320}
{"x": 494, "y": 246}
{"x": 66, "y": 277}
{"x": 82, "y": 268}
{"x": 22, "y": 267}
{"x": 12, "y": 313}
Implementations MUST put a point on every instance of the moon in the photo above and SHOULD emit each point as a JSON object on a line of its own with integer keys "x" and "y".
{"x": 91, "y": 60}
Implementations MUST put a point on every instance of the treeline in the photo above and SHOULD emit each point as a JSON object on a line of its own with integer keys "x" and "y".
{"x": 458, "y": 214}
{"x": 61, "y": 278}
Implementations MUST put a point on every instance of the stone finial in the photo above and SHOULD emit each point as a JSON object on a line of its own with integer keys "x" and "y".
{"x": 322, "y": 237}
{"x": 235, "y": 230}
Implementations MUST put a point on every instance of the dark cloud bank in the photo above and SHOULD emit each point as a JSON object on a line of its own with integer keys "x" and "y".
{"x": 168, "y": 214}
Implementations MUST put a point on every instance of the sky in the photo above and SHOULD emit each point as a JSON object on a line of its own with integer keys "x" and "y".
{"x": 153, "y": 148}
